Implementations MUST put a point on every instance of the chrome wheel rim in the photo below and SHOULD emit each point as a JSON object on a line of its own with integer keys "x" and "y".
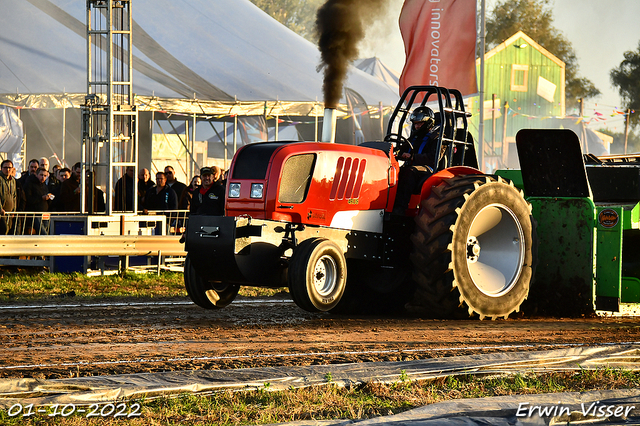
{"x": 325, "y": 275}
{"x": 495, "y": 249}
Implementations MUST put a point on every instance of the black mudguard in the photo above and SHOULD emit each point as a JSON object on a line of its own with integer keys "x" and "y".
{"x": 234, "y": 250}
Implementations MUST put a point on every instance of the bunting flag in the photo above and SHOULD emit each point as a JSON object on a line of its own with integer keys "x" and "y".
{"x": 440, "y": 44}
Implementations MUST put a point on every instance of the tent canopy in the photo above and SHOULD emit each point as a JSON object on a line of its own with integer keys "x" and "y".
{"x": 375, "y": 67}
{"x": 212, "y": 50}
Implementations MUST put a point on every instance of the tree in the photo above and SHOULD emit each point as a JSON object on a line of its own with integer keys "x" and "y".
{"x": 627, "y": 79}
{"x": 535, "y": 19}
{"x": 297, "y": 15}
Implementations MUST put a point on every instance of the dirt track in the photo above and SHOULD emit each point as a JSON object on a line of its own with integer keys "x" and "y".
{"x": 71, "y": 337}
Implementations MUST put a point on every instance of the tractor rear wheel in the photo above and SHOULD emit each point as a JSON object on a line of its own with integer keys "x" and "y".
{"x": 206, "y": 294}
{"x": 473, "y": 249}
{"x": 317, "y": 275}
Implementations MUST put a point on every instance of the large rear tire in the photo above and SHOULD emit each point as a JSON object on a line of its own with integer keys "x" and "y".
{"x": 317, "y": 275}
{"x": 206, "y": 294}
{"x": 473, "y": 249}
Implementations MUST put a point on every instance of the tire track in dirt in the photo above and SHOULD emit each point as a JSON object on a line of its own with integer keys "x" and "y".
{"x": 62, "y": 339}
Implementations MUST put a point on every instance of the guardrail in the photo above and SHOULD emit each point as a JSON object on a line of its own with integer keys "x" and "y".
{"x": 91, "y": 245}
{"x": 34, "y": 240}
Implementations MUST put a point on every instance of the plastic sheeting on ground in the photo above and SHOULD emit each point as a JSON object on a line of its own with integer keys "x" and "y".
{"x": 557, "y": 409}
{"x": 103, "y": 389}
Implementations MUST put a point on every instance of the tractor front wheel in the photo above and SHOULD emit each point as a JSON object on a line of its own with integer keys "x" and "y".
{"x": 317, "y": 275}
{"x": 206, "y": 294}
{"x": 474, "y": 249}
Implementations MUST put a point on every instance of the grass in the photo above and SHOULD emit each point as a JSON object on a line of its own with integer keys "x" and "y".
{"x": 331, "y": 402}
{"x": 27, "y": 284}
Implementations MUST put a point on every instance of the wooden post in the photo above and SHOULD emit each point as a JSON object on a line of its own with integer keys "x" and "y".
{"x": 585, "y": 147}
{"x": 626, "y": 130}
{"x": 493, "y": 124}
{"x": 381, "y": 109}
{"x": 505, "y": 144}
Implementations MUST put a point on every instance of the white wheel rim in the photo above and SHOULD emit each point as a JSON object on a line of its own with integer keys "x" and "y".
{"x": 495, "y": 250}
{"x": 325, "y": 274}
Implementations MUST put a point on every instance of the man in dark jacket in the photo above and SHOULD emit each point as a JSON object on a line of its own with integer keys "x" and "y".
{"x": 70, "y": 195}
{"x": 38, "y": 198}
{"x": 63, "y": 175}
{"x": 33, "y": 166}
{"x": 172, "y": 182}
{"x": 160, "y": 197}
{"x": 144, "y": 184}
{"x": 7, "y": 196}
{"x": 124, "y": 192}
{"x": 208, "y": 198}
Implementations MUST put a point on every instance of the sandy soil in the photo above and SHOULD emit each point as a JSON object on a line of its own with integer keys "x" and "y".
{"x": 67, "y": 338}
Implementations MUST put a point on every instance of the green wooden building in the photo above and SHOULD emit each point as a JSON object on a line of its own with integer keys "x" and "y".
{"x": 524, "y": 85}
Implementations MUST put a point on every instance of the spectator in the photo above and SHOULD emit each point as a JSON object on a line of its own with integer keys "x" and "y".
{"x": 38, "y": 198}
{"x": 7, "y": 195}
{"x": 144, "y": 184}
{"x": 33, "y": 166}
{"x": 217, "y": 173}
{"x": 124, "y": 191}
{"x": 63, "y": 174}
{"x": 187, "y": 194}
{"x": 20, "y": 200}
{"x": 37, "y": 193}
{"x": 70, "y": 190}
{"x": 161, "y": 196}
{"x": 209, "y": 198}
{"x": 172, "y": 182}
{"x": 70, "y": 193}
{"x": 52, "y": 180}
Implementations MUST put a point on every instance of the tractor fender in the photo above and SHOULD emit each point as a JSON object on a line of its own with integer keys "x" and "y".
{"x": 437, "y": 178}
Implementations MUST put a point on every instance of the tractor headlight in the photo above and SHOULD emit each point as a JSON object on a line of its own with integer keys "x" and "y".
{"x": 234, "y": 190}
{"x": 256, "y": 190}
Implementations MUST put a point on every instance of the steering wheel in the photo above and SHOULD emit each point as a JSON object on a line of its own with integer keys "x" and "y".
{"x": 400, "y": 144}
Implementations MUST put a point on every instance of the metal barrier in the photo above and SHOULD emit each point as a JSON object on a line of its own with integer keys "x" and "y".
{"x": 34, "y": 240}
{"x": 176, "y": 220}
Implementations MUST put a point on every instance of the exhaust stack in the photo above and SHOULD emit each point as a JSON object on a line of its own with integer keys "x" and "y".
{"x": 329, "y": 125}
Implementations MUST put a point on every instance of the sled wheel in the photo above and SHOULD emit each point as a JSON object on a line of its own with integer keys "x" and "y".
{"x": 473, "y": 249}
{"x": 317, "y": 275}
{"x": 208, "y": 295}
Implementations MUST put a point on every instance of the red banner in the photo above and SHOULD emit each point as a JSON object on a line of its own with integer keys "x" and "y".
{"x": 440, "y": 44}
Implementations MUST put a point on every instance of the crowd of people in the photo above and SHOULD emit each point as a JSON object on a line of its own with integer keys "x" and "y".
{"x": 39, "y": 190}
{"x": 203, "y": 195}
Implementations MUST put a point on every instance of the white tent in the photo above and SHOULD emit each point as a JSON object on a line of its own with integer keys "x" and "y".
{"x": 195, "y": 59}
{"x": 215, "y": 50}
{"x": 375, "y": 67}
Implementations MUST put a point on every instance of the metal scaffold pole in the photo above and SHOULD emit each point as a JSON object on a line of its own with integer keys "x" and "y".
{"x": 110, "y": 117}
{"x": 481, "y": 98}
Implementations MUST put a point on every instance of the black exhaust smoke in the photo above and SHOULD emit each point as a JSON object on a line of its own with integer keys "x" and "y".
{"x": 341, "y": 24}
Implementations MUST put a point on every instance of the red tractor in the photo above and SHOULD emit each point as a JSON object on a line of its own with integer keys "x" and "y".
{"x": 316, "y": 217}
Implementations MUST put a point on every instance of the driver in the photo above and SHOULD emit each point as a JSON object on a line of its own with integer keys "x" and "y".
{"x": 419, "y": 159}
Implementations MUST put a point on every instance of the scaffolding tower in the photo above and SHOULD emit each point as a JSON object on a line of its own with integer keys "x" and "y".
{"x": 109, "y": 115}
